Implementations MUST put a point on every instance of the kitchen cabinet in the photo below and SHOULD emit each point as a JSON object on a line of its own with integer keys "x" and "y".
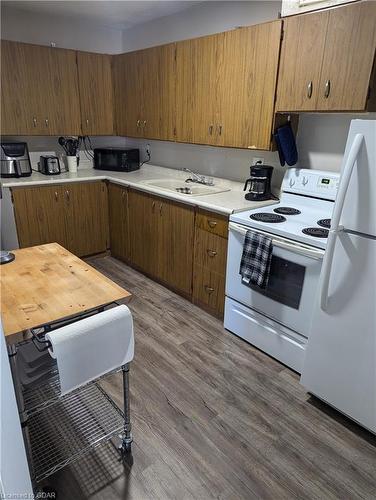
{"x": 39, "y": 214}
{"x": 145, "y": 93}
{"x": 119, "y": 221}
{"x": 327, "y": 60}
{"x": 209, "y": 270}
{"x": 162, "y": 235}
{"x": 86, "y": 215}
{"x": 226, "y": 85}
{"x": 39, "y": 90}
{"x": 96, "y": 93}
{"x": 74, "y": 215}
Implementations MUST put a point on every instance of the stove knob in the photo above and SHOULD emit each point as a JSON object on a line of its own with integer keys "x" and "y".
{"x": 291, "y": 183}
{"x": 305, "y": 181}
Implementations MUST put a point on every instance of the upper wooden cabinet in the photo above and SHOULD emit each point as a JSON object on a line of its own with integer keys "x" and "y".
{"x": 226, "y": 86}
{"x": 39, "y": 94}
{"x": 327, "y": 60}
{"x": 96, "y": 93}
{"x": 144, "y": 83}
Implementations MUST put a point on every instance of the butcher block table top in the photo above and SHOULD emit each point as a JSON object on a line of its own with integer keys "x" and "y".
{"x": 48, "y": 283}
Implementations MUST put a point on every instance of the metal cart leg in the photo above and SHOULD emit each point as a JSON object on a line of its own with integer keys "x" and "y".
{"x": 126, "y": 444}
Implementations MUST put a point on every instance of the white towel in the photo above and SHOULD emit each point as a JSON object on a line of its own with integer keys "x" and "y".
{"x": 91, "y": 347}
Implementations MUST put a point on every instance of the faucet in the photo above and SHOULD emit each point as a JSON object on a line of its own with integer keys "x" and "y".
{"x": 200, "y": 179}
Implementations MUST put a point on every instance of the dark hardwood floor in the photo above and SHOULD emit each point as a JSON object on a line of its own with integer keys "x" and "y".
{"x": 214, "y": 417}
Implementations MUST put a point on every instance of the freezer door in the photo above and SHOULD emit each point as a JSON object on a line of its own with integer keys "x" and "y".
{"x": 340, "y": 359}
{"x": 359, "y": 209}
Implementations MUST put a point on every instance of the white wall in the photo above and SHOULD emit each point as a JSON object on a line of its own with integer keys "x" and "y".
{"x": 202, "y": 19}
{"x": 67, "y": 33}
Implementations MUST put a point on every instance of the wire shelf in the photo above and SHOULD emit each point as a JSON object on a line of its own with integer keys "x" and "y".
{"x": 70, "y": 428}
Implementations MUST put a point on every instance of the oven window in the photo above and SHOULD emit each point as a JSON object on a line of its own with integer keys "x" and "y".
{"x": 285, "y": 282}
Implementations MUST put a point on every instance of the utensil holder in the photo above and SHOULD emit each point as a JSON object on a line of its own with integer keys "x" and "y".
{"x": 72, "y": 163}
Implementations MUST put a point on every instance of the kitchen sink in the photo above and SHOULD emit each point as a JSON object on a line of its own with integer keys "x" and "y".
{"x": 187, "y": 188}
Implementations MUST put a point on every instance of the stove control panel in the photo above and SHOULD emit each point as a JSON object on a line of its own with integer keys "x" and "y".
{"x": 315, "y": 183}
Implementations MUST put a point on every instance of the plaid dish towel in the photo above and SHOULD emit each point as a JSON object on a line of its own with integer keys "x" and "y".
{"x": 256, "y": 259}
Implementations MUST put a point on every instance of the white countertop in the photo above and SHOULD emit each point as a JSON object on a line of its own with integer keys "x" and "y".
{"x": 226, "y": 202}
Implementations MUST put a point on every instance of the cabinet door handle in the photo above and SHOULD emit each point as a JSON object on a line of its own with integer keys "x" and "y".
{"x": 212, "y": 223}
{"x": 144, "y": 123}
{"x": 153, "y": 207}
{"x": 309, "y": 89}
{"x": 87, "y": 121}
{"x": 327, "y": 89}
{"x": 211, "y": 253}
{"x": 34, "y": 121}
{"x": 46, "y": 121}
{"x": 123, "y": 193}
{"x": 67, "y": 195}
{"x": 55, "y": 195}
{"x": 138, "y": 124}
{"x": 210, "y": 129}
{"x": 209, "y": 289}
{"x": 160, "y": 208}
{"x": 220, "y": 129}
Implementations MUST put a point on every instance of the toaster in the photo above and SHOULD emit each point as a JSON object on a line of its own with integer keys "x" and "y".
{"x": 49, "y": 165}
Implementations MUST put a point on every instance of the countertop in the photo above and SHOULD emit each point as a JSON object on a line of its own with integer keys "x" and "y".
{"x": 226, "y": 202}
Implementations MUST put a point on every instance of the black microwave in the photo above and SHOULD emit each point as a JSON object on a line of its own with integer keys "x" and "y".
{"x": 117, "y": 159}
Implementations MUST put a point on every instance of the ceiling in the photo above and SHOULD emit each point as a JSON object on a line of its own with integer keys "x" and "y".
{"x": 115, "y": 14}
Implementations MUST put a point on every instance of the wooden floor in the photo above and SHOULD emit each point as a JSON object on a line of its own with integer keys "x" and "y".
{"x": 214, "y": 417}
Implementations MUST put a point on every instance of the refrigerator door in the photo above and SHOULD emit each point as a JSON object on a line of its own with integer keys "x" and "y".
{"x": 359, "y": 209}
{"x": 340, "y": 359}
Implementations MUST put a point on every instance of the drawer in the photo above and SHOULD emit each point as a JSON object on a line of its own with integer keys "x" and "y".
{"x": 210, "y": 251}
{"x": 209, "y": 290}
{"x": 212, "y": 222}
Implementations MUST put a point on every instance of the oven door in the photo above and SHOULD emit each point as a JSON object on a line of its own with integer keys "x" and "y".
{"x": 291, "y": 290}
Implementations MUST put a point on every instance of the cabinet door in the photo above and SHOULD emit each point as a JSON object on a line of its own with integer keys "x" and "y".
{"x": 39, "y": 214}
{"x": 300, "y": 62}
{"x": 158, "y": 78}
{"x": 247, "y": 85}
{"x": 119, "y": 222}
{"x": 348, "y": 58}
{"x": 86, "y": 217}
{"x": 208, "y": 52}
{"x": 16, "y": 118}
{"x": 96, "y": 100}
{"x": 60, "y": 91}
{"x": 176, "y": 236}
{"x": 185, "y": 102}
{"x": 143, "y": 230}
{"x": 128, "y": 93}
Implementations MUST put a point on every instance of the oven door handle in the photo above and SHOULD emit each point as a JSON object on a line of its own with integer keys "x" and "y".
{"x": 314, "y": 253}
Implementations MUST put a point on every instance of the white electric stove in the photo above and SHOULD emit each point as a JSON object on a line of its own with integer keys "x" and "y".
{"x": 277, "y": 319}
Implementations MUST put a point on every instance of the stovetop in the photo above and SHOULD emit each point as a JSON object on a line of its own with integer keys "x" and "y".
{"x": 290, "y": 216}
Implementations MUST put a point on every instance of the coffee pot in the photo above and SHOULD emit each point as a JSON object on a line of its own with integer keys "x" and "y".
{"x": 259, "y": 183}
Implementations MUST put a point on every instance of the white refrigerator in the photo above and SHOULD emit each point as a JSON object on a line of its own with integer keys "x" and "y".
{"x": 340, "y": 359}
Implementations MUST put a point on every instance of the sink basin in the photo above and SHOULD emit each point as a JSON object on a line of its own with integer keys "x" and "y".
{"x": 186, "y": 188}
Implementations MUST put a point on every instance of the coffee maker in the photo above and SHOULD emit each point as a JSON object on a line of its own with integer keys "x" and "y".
{"x": 259, "y": 183}
{"x": 14, "y": 159}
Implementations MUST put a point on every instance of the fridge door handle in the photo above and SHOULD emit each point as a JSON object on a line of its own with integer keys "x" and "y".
{"x": 336, "y": 217}
{"x": 345, "y": 181}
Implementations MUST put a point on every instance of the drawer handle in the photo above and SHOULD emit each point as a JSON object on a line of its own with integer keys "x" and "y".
{"x": 327, "y": 89}
{"x": 56, "y": 195}
{"x": 34, "y": 121}
{"x": 212, "y": 223}
{"x": 67, "y": 195}
{"x": 309, "y": 89}
{"x": 46, "y": 122}
{"x": 87, "y": 121}
{"x": 209, "y": 289}
{"x": 211, "y": 253}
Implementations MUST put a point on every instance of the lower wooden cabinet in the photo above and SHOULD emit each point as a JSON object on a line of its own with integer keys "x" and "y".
{"x": 119, "y": 221}
{"x": 210, "y": 258}
{"x": 161, "y": 239}
{"x": 74, "y": 215}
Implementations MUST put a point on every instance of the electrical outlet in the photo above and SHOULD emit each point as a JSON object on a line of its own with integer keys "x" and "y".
{"x": 148, "y": 149}
{"x": 257, "y": 161}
